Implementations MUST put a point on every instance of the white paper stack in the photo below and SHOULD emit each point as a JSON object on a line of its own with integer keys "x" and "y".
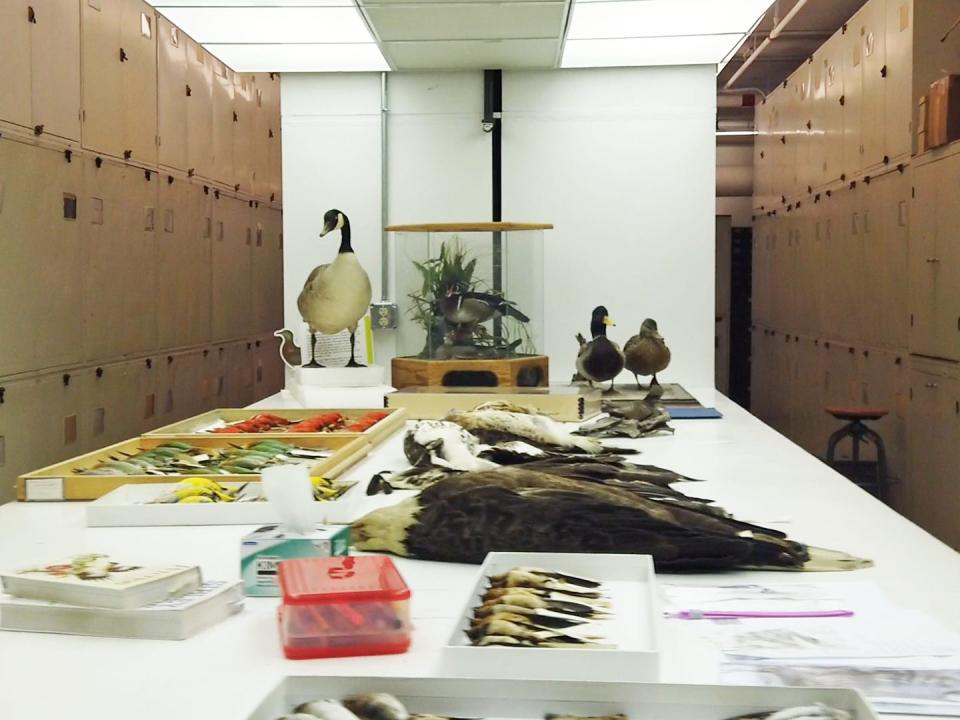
{"x": 902, "y": 660}
{"x": 175, "y": 618}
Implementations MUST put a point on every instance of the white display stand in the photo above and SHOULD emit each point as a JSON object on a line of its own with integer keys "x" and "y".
{"x": 339, "y": 377}
{"x": 323, "y": 388}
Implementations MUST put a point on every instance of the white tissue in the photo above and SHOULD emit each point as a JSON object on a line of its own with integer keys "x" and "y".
{"x": 289, "y": 489}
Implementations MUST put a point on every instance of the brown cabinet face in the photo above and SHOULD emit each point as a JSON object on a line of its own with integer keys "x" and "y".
{"x": 232, "y": 255}
{"x": 199, "y": 110}
{"x": 55, "y": 67}
{"x": 102, "y": 77}
{"x": 33, "y": 439}
{"x": 41, "y": 215}
{"x": 946, "y": 268}
{"x": 119, "y": 268}
{"x": 934, "y": 425}
{"x": 15, "y": 45}
{"x": 172, "y": 98}
{"x": 924, "y": 217}
{"x": 138, "y": 82}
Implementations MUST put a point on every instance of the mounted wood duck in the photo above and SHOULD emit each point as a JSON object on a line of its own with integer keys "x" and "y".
{"x": 467, "y": 307}
{"x": 646, "y": 352}
{"x": 336, "y": 295}
{"x": 600, "y": 359}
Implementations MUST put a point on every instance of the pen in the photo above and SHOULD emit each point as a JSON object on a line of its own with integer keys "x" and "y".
{"x": 719, "y": 615}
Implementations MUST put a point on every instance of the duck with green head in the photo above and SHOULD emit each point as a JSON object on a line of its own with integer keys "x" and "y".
{"x": 600, "y": 359}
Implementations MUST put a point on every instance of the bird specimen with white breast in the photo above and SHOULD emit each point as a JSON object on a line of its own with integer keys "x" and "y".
{"x": 599, "y": 359}
{"x": 337, "y": 295}
{"x": 523, "y": 509}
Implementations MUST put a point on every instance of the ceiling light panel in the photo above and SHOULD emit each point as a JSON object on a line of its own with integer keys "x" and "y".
{"x": 162, "y": 4}
{"x": 325, "y": 57}
{"x": 466, "y": 21}
{"x": 689, "y": 50}
{"x": 265, "y": 25}
{"x": 592, "y": 19}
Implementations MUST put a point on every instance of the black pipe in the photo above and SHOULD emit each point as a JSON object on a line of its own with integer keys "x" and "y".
{"x": 492, "y": 108}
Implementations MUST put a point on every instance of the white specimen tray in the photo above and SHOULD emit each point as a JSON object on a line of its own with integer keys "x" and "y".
{"x": 634, "y": 626}
{"x": 532, "y": 700}
{"x": 129, "y": 506}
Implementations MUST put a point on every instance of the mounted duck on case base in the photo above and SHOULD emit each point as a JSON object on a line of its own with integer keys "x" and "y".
{"x": 336, "y": 295}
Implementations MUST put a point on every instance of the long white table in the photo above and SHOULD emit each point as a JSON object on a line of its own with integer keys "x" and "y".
{"x": 222, "y": 673}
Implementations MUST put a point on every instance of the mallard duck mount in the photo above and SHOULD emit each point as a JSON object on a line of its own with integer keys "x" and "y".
{"x": 471, "y": 305}
{"x": 335, "y": 299}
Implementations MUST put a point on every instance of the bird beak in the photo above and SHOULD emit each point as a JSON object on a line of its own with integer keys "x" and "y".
{"x": 327, "y": 227}
{"x": 607, "y": 321}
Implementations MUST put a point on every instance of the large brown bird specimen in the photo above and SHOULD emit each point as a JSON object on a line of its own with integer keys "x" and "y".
{"x": 519, "y": 509}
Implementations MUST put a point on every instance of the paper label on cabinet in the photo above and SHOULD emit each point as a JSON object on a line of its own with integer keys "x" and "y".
{"x": 41, "y": 489}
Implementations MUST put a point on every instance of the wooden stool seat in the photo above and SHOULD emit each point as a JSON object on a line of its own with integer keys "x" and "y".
{"x": 854, "y": 412}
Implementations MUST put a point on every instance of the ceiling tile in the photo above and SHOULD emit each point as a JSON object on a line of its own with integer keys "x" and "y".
{"x": 466, "y": 21}
{"x": 473, "y": 54}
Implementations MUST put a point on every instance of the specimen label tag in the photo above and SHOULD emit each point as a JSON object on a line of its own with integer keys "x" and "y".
{"x": 40, "y": 489}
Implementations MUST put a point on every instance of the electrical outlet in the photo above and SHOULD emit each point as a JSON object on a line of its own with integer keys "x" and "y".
{"x": 384, "y": 315}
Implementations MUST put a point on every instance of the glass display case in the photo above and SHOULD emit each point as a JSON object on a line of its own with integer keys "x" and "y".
{"x": 470, "y": 297}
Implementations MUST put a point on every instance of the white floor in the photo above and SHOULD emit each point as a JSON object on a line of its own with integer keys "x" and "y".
{"x": 224, "y": 672}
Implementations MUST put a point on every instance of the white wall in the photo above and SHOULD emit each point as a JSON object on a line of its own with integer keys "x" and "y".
{"x": 331, "y": 159}
{"x": 622, "y": 161}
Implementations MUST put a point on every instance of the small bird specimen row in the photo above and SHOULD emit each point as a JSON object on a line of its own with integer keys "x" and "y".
{"x": 179, "y": 458}
{"x": 382, "y": 706}
{"x": 194, "y": 490}
{"x": 601, "y": 359}
{"x": 531, "y": 607}
{"x": 326, "y": 422}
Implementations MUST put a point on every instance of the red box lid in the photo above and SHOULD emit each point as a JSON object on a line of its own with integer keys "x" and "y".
{"x": 367, "y": 578}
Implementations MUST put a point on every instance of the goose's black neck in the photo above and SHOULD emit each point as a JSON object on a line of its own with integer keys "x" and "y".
{"x": 598, "y": 328}
{"x": 345, "y": 246}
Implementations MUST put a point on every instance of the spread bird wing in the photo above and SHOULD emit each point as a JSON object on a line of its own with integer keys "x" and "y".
{"x": 463, "y": 524}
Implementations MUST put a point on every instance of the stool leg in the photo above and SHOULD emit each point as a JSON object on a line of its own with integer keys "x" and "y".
{"x": 834, "y": 440}
{"x": 875, "y": 438}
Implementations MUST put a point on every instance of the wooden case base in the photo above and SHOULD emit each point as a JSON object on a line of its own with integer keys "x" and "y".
{"x": 530, "y": 371}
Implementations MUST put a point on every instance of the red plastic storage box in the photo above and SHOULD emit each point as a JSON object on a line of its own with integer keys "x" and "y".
{"x": 341, "y": 606}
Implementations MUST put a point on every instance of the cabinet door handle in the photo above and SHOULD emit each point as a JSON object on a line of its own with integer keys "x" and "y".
{"x": 931, "y": 385}
{"x": 932, "y": 260}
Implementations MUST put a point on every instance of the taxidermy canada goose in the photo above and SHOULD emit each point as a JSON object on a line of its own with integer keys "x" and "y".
{"x": 336, "y": 295}
{"x": 516, "y": 509}
{"x": 646, "y": 353}
{"x": 289, "y": 350}
{"x": 600, "y": 359}
{"x": 467, "y": 307}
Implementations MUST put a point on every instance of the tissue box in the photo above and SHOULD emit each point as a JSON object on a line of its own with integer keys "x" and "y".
{"x": 335, "y": 607}
{"x": 262, "y": 551}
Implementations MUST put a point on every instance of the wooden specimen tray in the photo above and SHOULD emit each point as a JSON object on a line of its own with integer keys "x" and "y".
{"x": 529, "y": 371}
{"x": 561, "y": 402}
{"x": 199, "y": 425}
{"x": 60, "y": 481}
